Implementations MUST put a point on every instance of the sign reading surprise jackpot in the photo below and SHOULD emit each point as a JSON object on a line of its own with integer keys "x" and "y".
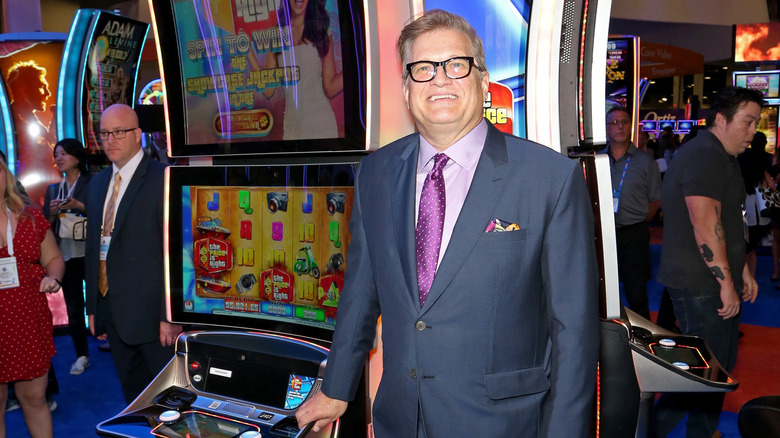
{"x": 270, "y": 252}
{"x": 261, "y": 70}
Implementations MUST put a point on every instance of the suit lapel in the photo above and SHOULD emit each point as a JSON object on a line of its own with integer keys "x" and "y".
{"x": 403, "y": 202}
{"x": 132, "y": 189}
{"x": 486, "y": 189}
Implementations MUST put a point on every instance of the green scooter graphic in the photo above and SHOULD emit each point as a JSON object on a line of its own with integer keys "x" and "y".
{"x": 305, "y": 263}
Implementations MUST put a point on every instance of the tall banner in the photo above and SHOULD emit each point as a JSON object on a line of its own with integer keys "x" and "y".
{"x": 111, "y": 65}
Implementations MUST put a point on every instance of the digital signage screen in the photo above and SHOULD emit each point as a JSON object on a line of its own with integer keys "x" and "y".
{"x": 263, "y": 77}
{"x": 767, "y": 82}
{"x": 757, "y": 42}
{"x": 621, "y": 86}
{"x": 259, "y": 247}
{"x": 30, "y": 72}
{"x": 503, "y": 28}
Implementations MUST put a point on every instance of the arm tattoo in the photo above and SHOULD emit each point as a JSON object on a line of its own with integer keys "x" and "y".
{"x": 718, "y": 226}
{"x": 706, "y": 253}
{"x": 717, "y": 272}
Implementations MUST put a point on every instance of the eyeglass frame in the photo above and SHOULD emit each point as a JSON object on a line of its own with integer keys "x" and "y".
{"x": 105, "y": 134}
{"x": 443, "y": 65}
{"x": 616, "y": 122}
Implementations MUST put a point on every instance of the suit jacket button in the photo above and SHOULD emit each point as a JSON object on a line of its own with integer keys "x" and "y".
{"x": 420, "y": 325}
{"x": 413, "y": 373}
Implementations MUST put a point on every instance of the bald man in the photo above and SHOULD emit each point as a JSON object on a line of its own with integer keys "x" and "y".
{"x": 124, "y": 255}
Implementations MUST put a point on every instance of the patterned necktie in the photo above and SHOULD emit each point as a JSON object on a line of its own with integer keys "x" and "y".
{"x": 108, "y": 227}
{"x": 430, "y": 224}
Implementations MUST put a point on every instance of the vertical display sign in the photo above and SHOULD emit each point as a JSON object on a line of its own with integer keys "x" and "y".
{"x": 30, "y": 72}
{"x": 620, "y": 72}
{"x": 261, "y": 71}
{"x": 499, "y": 107}
{"x": 111, "y": 65}
{"x": 503, "y": 27}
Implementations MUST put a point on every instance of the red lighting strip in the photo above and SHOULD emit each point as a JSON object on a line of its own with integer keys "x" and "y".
{"x": 581, "y": 70}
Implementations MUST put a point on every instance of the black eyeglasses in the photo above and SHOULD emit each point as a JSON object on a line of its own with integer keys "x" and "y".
{"x": 455, "y": 68}
{"x": 118, "y": 134}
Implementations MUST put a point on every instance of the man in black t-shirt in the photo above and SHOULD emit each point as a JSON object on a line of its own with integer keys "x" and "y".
{"x": 703, "y": 256}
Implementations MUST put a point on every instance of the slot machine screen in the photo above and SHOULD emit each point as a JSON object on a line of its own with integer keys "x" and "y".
{"x": 649, "y": 125}
{"x": 768, "y": 125}
{"x": 685, "y": 125}
{"x": 244, "y": 80}
{"x": 767, "y": 82}
{"x": 258, "y": 247}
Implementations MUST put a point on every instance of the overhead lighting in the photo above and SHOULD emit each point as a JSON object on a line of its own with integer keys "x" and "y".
{"x": 707, "y": 77}
{"x": 663, "y": 99}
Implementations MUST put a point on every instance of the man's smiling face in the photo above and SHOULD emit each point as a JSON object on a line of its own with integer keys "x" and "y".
{"x": 454, "y": 104}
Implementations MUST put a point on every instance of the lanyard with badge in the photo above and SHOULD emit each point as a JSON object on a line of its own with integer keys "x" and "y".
{"x": 616, "y": 193}
{"x": 9, "y": 276}
{"x": 62, "y": 190}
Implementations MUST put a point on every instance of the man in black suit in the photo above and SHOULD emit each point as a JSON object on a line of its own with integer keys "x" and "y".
{"x": 124, "y": 255}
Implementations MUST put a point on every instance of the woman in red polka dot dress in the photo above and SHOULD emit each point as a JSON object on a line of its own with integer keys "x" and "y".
{"x": 27, "y": 246}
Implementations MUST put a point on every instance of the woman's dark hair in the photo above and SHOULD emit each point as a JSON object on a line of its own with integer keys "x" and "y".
{"x": 73, "y": 147}
{"x": 316, "y": 24}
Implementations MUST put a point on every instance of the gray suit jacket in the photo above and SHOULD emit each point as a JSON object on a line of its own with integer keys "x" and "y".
{"x": 135, "y": 260}
{"x": 507, "y": 341}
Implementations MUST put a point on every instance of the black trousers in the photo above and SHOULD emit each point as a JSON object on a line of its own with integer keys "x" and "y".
{"x": 136, "y": 365}
{"x": 634, "y": 269}
{"x": 73, "y": 292}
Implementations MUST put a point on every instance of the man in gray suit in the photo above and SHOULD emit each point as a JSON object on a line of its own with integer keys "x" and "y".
{"x": 503, "y": 341}
{"x": 124, "y": 255}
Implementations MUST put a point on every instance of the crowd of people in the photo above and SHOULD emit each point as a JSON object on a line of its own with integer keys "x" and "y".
{"x": 65, "y": 246}
{"x": 90, "y": 227}
{"x": 719, "y": 201}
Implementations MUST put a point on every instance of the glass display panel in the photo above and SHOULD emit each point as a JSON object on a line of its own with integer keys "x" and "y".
{"x": 263, "y": 77}
{"x": 259, "y": 246}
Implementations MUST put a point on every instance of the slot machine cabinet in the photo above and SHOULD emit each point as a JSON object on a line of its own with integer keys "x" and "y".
{"x": 233, "y": 384}
{"x": 260, "y": 321}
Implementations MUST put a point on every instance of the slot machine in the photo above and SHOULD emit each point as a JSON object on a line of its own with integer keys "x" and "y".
{"x": 768, "y": 83}
{"x": 258, "y": 220}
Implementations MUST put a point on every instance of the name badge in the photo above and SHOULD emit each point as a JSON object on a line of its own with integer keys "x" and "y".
{"x": 9, "y": 277}
{"x": 105, "y": 242}
{"x": 615, "y": 204}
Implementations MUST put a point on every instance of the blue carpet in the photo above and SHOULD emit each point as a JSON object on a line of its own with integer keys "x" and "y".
{"x": 84, "y": 400}
{"x": 761, "y": 313}
{"x": 92, "y": 397}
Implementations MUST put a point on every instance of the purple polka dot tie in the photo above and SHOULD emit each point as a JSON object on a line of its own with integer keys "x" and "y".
{"x": 430, "y": 223}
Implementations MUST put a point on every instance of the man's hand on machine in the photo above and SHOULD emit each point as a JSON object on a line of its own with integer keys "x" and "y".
{"x": 168, "y": 333}
{"x": 321, "y": 409}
